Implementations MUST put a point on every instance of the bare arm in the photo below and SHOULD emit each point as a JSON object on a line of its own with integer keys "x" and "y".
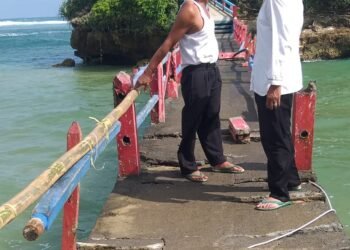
{"x": 183, "y": 24}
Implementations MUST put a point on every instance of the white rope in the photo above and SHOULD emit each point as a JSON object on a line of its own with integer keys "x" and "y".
{"x": 331, "y": 209}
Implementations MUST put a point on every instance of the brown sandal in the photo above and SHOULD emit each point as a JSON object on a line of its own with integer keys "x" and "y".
{"x": 196, "y": 177}
{"x": 228, "y": 168}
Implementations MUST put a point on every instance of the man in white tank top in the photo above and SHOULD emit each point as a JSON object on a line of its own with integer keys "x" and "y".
{"x": 200, "y": 85}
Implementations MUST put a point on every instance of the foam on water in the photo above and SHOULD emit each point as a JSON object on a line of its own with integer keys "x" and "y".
{"x": 6, "y": 23}
{"x": 32, "y": 33}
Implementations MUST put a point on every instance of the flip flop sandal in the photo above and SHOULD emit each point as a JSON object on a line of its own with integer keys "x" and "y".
{"x": 229, "y": 168}
{"x": 196, "y": 177}
{"x": 279, "y": 204}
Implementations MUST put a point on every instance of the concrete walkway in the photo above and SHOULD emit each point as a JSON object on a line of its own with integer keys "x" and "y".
{"x": 161, "y": 210}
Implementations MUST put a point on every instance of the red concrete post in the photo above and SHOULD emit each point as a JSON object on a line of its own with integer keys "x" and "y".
{"x": 235, "y": 11}
{"x": 177, "y": 64}
{"x": 127, "y": 140}
{"x": 303, "y": 127}
{"x": 71, "y": 207}
{"x": 157, "y": 88}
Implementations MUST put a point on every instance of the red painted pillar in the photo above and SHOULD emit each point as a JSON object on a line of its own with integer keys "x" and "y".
{"x": 235, "y": 11}
{"x": 71, "y": 207}
{"x": 178, "y": 62}
{"x": 127, "y": 140}
{"x": 157, "y": 88}
{"x": 303, "y": 127}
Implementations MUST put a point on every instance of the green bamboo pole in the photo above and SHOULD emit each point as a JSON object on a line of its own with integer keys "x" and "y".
{"x": 11, "y": 209}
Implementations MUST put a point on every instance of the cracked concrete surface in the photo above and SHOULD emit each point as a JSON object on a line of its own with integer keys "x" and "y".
{"x": 162, "y": 210}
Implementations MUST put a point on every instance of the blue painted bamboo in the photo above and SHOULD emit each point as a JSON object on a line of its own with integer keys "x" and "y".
{"x": 54, "y": 199}
{"x": 228, "y": 7}
{"x": 141, "y": 115}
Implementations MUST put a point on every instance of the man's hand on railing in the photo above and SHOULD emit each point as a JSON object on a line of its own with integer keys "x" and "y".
{"x": 143, "y": 80}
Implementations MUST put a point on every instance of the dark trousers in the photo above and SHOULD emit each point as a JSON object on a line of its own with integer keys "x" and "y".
{"x": 201, "y": 91}
{"x": 276, "y": 140}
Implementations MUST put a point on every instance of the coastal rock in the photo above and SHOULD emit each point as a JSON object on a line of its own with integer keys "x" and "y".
{"x": 323, "y": 37}
{"x": 325, "y": 43}
{"x": 96, "y": 47}
{"x": 66, "y": 63}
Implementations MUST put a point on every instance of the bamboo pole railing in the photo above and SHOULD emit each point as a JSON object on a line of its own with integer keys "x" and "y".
{"x": 25, "y": 198}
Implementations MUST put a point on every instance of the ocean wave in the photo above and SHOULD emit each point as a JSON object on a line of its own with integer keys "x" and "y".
{"x": 32, "y": 23}
{"x": 16, "y": 34}
{"x": 32, "y": 33}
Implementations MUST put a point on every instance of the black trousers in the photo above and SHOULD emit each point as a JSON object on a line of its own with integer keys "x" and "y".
{"x": 201, "y": 91}
{"x": 276, "y": 140}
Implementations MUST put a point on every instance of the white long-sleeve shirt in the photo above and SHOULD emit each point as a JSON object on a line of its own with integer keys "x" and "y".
{"x": 277, "y": 59}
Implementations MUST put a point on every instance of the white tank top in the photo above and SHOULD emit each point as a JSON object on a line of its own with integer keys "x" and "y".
{"x": 201, "y": 46}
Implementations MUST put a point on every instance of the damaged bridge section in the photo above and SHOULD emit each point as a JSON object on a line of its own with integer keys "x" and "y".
{"x": 161, "y": 210}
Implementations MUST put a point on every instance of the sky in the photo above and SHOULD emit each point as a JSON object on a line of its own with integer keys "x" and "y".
{"x": 29, "y": 8}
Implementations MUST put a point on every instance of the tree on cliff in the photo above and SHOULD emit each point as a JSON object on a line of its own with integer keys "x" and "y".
{"x": 127, "y": 15}
{"x": 124, "y": 31}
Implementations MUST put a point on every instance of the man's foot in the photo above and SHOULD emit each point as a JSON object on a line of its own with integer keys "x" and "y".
{"x": 227, "y": 167}
{"x": 270, "y": 203}
{"x": 196, "y": 176}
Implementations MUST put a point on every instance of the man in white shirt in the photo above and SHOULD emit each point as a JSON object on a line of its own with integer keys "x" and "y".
{"x": 276, "y": 76}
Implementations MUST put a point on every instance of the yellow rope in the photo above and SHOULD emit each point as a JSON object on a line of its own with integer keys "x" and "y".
{"x": 105, "y": 123}
{"x": 88, "y": 141}
{"x": 14, "y": 210}
{"x": 10, "y": 212}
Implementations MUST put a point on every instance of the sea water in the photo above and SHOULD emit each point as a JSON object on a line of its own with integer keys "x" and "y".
{"x": 39, "y": 102}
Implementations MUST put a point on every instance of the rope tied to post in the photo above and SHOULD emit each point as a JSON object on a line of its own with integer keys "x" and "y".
{"x": 56, "y": 169}
{"x": 105, "y": 123}
{"x": 9, "y": 212}
{"x": 88, "y": 142}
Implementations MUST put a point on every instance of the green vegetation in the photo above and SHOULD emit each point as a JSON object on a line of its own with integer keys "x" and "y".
{"x": 76, "y": 8}
{"x": 311, "y": 6}
{"x": 126, "y": 16}
{"x": 327, "y": 5}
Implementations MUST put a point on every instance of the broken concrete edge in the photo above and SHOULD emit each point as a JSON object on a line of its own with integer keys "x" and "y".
{"x": 254, "y": 135}
{"x": 121, "y": 244}
{"x": 294, "y": 196}
{"x": 305, "y": 176}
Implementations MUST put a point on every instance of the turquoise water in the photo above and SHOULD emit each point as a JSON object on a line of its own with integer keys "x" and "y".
{"x": 332, "y": 137}
{"x": 39, "y": 102}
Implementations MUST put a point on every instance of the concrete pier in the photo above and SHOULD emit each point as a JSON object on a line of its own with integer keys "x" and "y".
{"x": 161, "y": 210}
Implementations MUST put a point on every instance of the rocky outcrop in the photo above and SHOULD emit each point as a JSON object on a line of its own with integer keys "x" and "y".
{"x": 326, "y": 37}
{"x": 96, "y": 47}
{"x": 66, "y": 63}
{"x": 325, "y": 43}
